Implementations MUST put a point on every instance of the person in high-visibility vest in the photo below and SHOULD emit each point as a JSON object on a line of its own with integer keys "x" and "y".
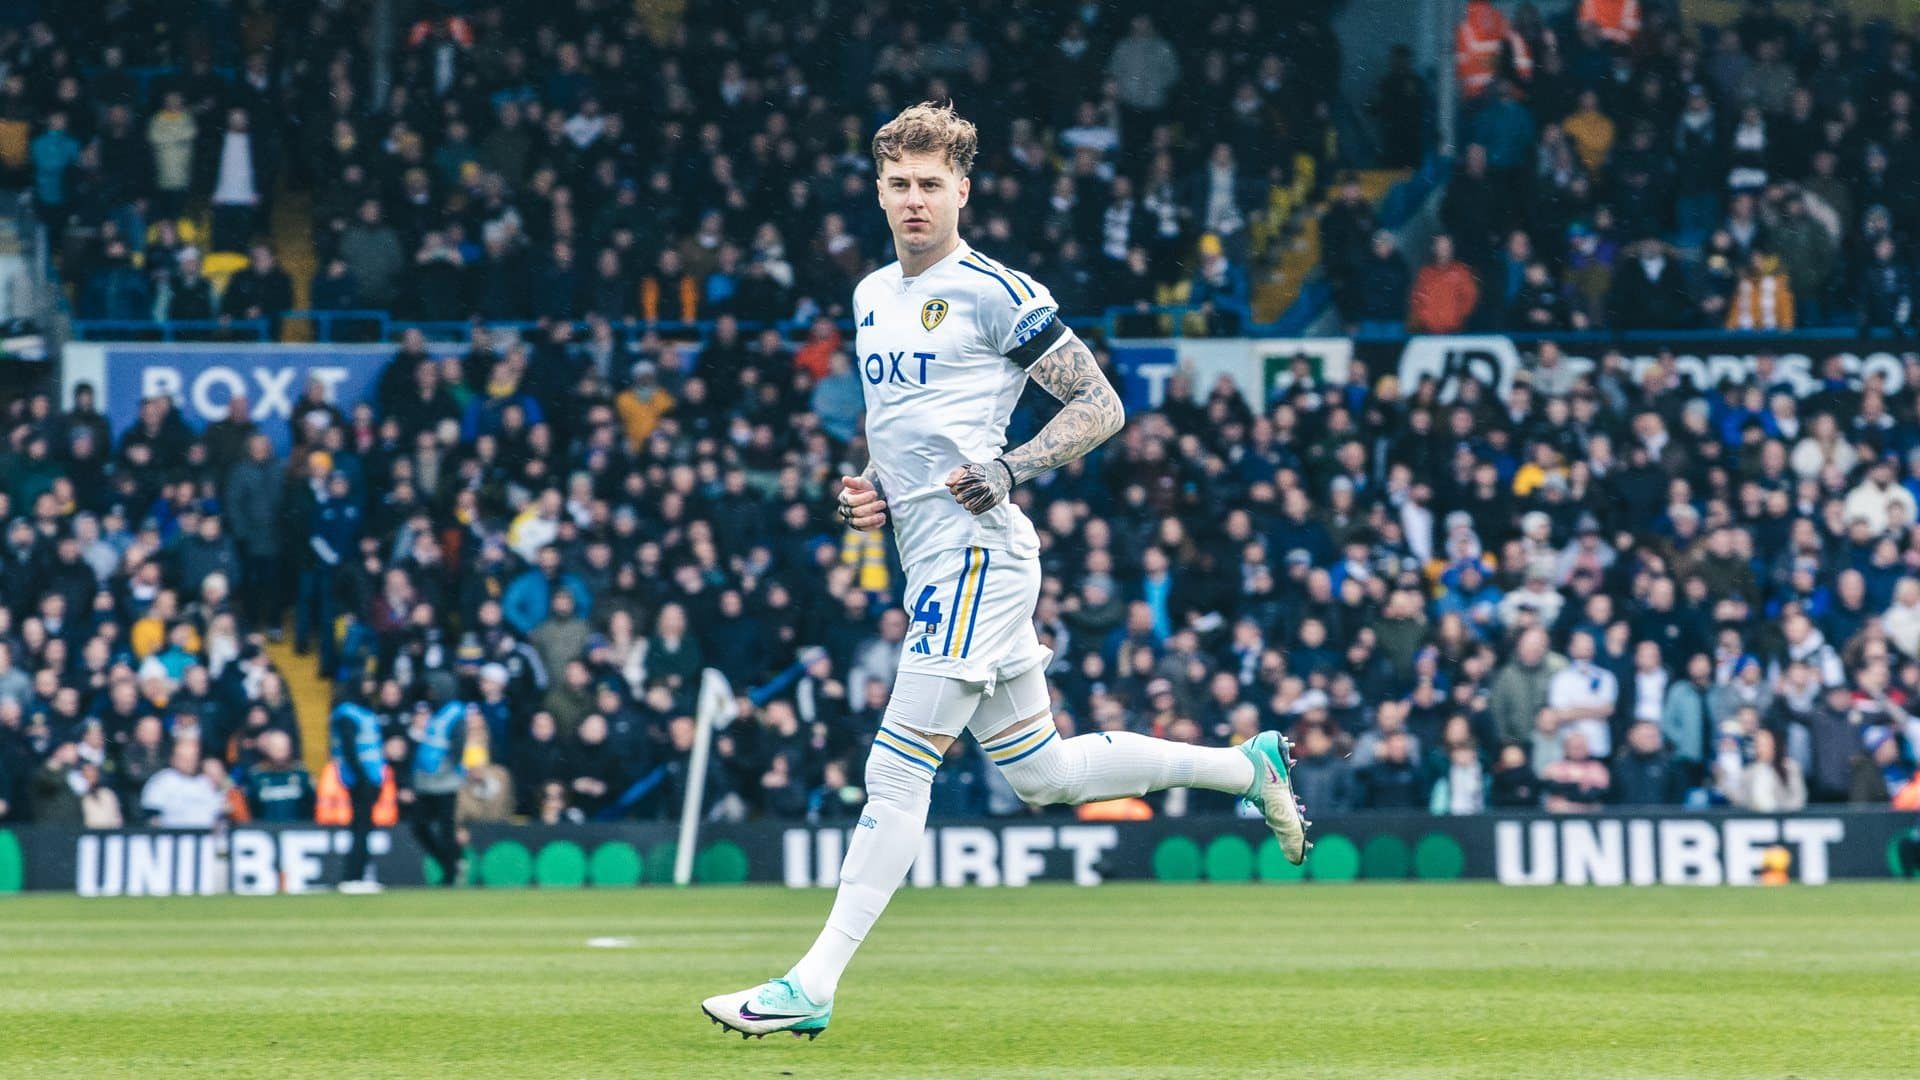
{"x": 1477, "y": 43}
{"x": 359, "y": 753}
{"x": 1617, "y": 20}
{"x": 438, "y": 744}
{"x": 334, "y": 807}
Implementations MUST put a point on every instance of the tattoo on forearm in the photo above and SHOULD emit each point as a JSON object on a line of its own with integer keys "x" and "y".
{"x": 1090, "y": 413}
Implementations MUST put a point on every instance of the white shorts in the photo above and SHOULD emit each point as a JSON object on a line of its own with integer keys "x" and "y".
{"x": 925, "y": 704}
{"x": 970, "y": 616}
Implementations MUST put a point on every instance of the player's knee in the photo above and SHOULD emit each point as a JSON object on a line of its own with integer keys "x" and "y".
{"x": 1035, "y": 761}
{"x": 900, "y": 767}
{"x": 1037, "y": 786}
{"x": 1046, "y": 776}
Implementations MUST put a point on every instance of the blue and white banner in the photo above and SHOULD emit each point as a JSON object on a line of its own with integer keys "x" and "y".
{"x": 202, "y": 380}
{"x": 1256, "y": 367}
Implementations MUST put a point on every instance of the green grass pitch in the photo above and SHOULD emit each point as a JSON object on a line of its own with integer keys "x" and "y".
{"x": 1122, "y": 981}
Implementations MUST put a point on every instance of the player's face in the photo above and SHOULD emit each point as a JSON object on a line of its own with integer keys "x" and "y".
{"x": 922, "y": 195}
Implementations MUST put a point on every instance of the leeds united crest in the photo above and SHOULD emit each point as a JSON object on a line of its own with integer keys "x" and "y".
{"x": 932, "y": 312}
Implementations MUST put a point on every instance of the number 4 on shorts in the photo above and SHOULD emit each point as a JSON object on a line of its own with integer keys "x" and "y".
{"x": 926, "y": 615}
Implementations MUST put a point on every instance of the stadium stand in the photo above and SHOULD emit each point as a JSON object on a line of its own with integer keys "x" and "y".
{"x": 1601, "y": 587}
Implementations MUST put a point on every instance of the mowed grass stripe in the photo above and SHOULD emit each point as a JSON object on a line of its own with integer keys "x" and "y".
{"x": 1126, "y": 981}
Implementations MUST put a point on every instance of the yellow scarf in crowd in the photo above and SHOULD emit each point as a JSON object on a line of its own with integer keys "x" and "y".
{"x": 866, "y": 552}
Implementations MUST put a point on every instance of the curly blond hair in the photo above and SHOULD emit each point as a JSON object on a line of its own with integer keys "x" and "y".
{"x": 928, "y": 128}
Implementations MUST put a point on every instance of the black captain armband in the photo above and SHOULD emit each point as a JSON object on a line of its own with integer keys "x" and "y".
{"x": 1037, "y": 335}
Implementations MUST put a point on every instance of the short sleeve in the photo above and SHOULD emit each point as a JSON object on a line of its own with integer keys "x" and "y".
{"x": 1017, "y": 315}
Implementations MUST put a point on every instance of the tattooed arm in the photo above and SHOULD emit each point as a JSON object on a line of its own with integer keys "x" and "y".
{"x": 1090, "y": 414}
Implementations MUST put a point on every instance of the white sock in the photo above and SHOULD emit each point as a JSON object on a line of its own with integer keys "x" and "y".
{"x": 899, "y": 783}
{"x": 1045, "y": 769}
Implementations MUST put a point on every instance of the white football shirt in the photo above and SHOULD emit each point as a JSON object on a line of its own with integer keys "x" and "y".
{"x": 942, "y": 360}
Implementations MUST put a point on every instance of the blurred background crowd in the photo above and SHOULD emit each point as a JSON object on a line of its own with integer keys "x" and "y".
{"x": 1622, "y": 170}
{"x": 1600, "y": 587}
{"x": 645, "y": 163}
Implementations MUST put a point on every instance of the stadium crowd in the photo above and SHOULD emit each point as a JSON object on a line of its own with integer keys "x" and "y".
{"x": 1622, "y": 170}
{"x": 561, "y": 161}
{"x": 1594, "y": 589}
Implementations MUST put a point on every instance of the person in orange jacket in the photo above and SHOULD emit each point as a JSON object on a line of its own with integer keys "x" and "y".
{"x": 816, "y": 356}
{"x": 1444, "y": 292}
{"x": 1479, "y": 40}
{"x": 1617, "y": 20}
{"x": 1764, "y": 298}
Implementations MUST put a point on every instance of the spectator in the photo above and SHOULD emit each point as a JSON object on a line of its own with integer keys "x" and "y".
{"x": 594, "y": 778}
{"x": 261, "y": 291}
{"x": 1763, "y": 300}
{"x": 279, "y": 788}
{"x": 1647, "y": 291}
{"x": 1507, "y": 130}
{"x": 1539, "y": 305}
{"x": 333, "y": 290}
{"x": 1576, "y": 784}
{"x": 1522, "y": 687}
{"x": 1219, "y": 289}
{"x": 255, "y": 501}
{"x": 1878, "y": 502}
{"x": 116, "y": 289}
{"x": 838, "y": 399}
{"x": 1514, "y": 785}
{"x": 486, "y": 795}
{"x": 1391, "y": 781}
{"x": 642, "y": 404}
{"x": 1592, "y": 132}
{"x": 1485, "y": 46}
{"x": 1444, "y": 293}
{"x": 239, "y": 186}
{"x": 1323, "y": 779}
{"x": 1223, "y": 192}
{"x": 560, "y": 634}
{"x": 1886, "y": 290}
{"x": 1807, "y": 259}
{"x": 1144, "y": 67}
{"x": 554, "y": 807}
{"x": 99, "y": 803}
{"x": 538, "y": 760}
{"x": 372, "y": 254}
{"x": 184, "y": 295}
{"x": 530, "y": 599}
{"x": 1463, "y": 787}
{"x": 57, "y": 787}
{"x": 207, "y": 552}
{"x": 1684, "y": 719}
{"x": 1616, "y": 21}
{"x": 1347, "y": 227}
{"x": 1584, "y": 695}
{"x": 1400, "y": 104}
{"x": 1877, "y": 770}
{"x": 1644, "y": 772}
{"x": 1472, "y": 210}
{"x": 569, "y": 697}
{"x": 1379, "y": 282}
{"x": 1538, "y": 604}
{"x": 172, "y": 132}
{"x": 183, "y": 795}
{"x": 55, "y": 153}
{"x": 1772, "y": 782}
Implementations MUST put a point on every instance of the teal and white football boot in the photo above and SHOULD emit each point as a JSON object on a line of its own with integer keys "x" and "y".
{"x": 779, "y": 1005}
{"x": 1272, "y": 793}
